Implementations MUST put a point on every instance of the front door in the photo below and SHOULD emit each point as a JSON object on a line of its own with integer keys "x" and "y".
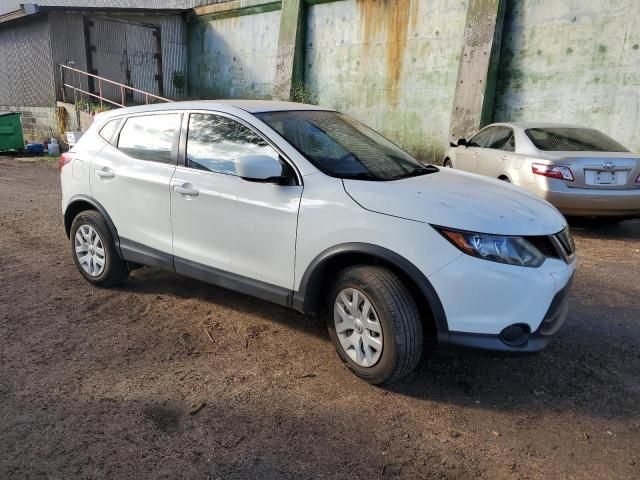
{"x": 492, "y": 160}
{"x": 226, "y": 230}
{"x": 467, "y": 157}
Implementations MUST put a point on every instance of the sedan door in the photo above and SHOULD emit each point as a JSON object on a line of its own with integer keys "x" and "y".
{"x": 492, "y": 160}
{"x": 226, "y": 230}
{"x": 467, "y": 157}
{"x": 131, "y": 178}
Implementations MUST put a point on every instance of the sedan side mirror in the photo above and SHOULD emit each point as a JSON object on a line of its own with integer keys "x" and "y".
{"x": 259, "y": 168}
{"x": 462, "y": 142}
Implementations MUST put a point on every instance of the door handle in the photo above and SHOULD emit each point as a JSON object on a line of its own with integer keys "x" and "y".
{"x": 186, "y": 191}
{"x": 503, "y": 158}
{"x": 105, "y": 173}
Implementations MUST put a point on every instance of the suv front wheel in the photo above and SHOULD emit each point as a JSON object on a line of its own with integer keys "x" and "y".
{"x": 374, "y": 324}
{"x": 94, "y": 251}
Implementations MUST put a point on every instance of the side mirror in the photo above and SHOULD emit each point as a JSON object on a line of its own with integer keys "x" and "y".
{"x": 462, "y": 142}
{"x": 259, "y": 168}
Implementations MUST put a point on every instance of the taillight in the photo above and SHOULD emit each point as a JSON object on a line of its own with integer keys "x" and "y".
{"x": 553, "y": 171}
{"x": 64, "y": 159}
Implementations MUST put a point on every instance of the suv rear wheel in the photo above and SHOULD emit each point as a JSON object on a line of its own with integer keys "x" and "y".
{"x": 374, "y": 324}
{"x": 94, "y": 251}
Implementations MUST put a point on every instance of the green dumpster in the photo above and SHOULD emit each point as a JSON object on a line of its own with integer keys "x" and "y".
{"x": 11, "y": 131}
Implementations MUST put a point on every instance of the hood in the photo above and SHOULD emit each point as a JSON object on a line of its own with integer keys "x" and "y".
{"x": 461, "y": 200}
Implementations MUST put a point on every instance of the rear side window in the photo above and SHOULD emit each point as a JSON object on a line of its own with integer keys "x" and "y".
{"x": 573, "y": 140}
{"x": 482, "y": 138}
{"x": 109, "y": 129}
{"x": 149, "y": 137}
{"x": 215, "y": 142}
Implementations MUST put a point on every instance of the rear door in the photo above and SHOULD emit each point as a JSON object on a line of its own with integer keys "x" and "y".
{"x": 228, "y": 230}
{"x": 131, "y": 180}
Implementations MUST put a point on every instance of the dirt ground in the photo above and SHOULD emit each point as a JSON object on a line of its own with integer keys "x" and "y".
{"x": 166, "y": 377}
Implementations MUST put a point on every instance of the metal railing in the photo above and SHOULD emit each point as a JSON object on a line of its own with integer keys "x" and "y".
{"x": 101, "y": 81}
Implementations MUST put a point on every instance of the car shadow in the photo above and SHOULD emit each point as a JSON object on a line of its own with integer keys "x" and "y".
{"x": 588, "y": 368}
{"x": 601, "y": 229}
{"x": 152, "y": 281}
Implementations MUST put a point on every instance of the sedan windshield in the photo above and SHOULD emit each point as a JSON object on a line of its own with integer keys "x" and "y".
{"x": 342, "y": 147}
{"x": 573, "y": 140}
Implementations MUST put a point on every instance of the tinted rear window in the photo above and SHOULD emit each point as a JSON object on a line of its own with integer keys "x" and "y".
{"x": 573, "y": 140}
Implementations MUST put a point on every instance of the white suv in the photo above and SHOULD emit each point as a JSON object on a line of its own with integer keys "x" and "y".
{"x": 311, "y": 209}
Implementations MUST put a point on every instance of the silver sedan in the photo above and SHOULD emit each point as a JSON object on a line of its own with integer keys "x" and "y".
{"x": 581, "y": 171}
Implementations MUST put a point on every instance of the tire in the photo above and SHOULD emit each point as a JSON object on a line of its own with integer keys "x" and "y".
{"x": 395, "y": 314}
{"x": 447, "y": 163}
{"x": 504, "y": 179}
{"x": 114, "y": 270}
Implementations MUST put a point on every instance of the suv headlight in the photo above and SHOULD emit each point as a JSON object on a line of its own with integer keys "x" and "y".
{"x": 495, "y": 248}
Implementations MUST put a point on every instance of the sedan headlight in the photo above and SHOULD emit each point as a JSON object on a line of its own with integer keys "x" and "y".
{"x": 495, "y": 248}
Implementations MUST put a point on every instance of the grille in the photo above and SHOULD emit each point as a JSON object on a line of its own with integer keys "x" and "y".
{"x": 559, "y": 245}
{"x": 544, "y": 244}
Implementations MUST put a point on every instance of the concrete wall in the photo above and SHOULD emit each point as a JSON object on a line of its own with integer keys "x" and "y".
{"x": 392, "y": 65}
{"x": 573, "y": 61}
{"x": 233, "y": 57}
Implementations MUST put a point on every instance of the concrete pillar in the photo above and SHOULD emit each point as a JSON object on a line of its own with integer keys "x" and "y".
{"x": 290, "y": 56}
{"x": 475, "y": 88}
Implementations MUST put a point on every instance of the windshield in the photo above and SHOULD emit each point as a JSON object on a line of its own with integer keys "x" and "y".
{"x": 573, "y": 140}
{"x": 342, "y": 147}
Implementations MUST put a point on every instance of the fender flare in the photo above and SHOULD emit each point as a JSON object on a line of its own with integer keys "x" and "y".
{"x": 314, "y": 270}
{"x": 96, "y": 205}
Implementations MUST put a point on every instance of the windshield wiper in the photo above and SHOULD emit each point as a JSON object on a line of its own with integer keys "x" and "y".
{"x": 427, "y": 169}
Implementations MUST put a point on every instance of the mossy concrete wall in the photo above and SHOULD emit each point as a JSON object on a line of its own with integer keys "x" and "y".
{"x": 233, "y": 56}
{"x": 394, "y": 63}
{"x": 390, "y": 64}
{"x": 573, "y": 61}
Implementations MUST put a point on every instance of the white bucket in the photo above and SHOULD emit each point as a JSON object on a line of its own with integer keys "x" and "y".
{"x": 53, "y": 148}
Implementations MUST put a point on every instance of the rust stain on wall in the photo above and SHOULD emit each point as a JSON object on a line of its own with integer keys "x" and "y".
{"x": 388, "y": 21}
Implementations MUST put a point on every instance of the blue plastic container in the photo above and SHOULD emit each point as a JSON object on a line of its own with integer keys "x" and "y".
{"x": 35, "y": 148}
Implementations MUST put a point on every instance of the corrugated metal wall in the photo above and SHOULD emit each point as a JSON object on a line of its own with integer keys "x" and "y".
{"x": 26, "y": 73}
{"x": 69, "y": 44}
{"x": 67, "y": 47}
{"x": 173, "y": 34}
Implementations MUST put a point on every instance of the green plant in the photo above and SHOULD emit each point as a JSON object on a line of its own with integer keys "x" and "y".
{"x": 303, "y": 93}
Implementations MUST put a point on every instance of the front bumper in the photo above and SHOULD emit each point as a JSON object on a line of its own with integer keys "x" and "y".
{"x": 482, "y": 299}
{"x": 537, "y": 341}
